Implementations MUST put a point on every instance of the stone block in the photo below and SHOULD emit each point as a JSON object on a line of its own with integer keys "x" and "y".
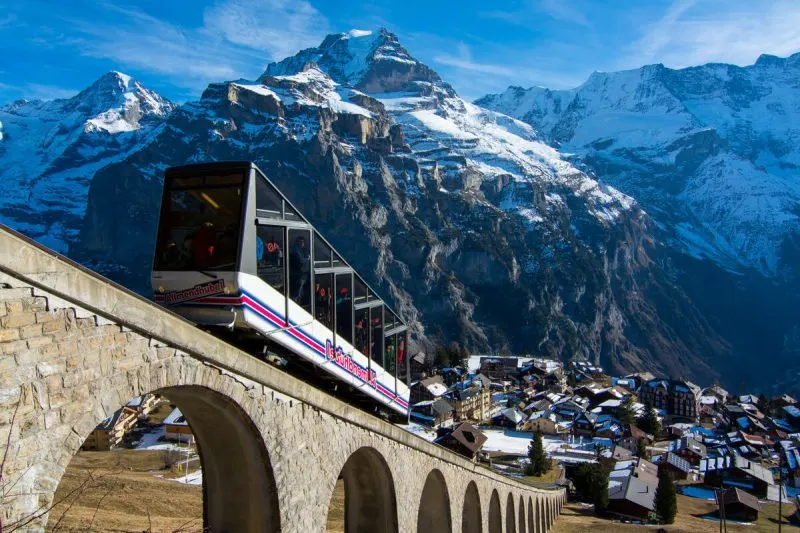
{"x": 28, "y": 357}
{"x": 14, "y": 307}
{"x": 7, "y": 335}
{"x": 38, "y": 342}
{"x": 34, "y": 330}
{"x": 15, "y": 294}
{"x": 43, "y": 317}
{"x": 52, "y": 327}
{"x": 18, "y": 320}
{"x": 14, "y": 346}
{"x": 50, "y": 369}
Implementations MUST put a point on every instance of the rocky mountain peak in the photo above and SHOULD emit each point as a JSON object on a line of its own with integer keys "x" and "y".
{"x": 370, "y": 61}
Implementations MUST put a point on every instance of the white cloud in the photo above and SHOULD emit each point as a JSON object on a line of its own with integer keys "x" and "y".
{"x": 690, "y": 33}
{"x": 237, "y": 39}
{"x": 464, "y": 61}
{"x": 562, "y": 10}
{"x": 278, "y": 27}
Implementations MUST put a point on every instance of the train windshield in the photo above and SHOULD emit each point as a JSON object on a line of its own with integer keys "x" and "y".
{"x": 200, "y": 222}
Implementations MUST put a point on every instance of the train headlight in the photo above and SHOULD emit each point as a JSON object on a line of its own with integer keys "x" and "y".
{"x": 161, "y": 289}
{"x": 226, "y": 290}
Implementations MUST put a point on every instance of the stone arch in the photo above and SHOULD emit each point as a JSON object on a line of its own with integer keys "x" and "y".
{"x": 370, "y": 504}
{"x": 511, "y": 516}
{"x": 227, "y": 441}
{"x": 495, "y": 514}
{"x": 434, "y": 505}
{"x": 521, "y": 512}
{"x": 471, "y": 515}
{"x": 542, "y": 524}
{"x": 531, "y": 527}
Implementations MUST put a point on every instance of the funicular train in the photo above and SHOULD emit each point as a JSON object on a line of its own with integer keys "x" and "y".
{"x": 235, "y": 257}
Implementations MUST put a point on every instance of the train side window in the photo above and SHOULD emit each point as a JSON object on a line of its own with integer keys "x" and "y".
{"x": 322, "y": 252}
{"x": 270, "y": 256}
{"x": 359, "y": 291}
{"x": 402, "y": 356}
{"x": 344, "y": 307}
{"x": 300, "y": 268}
{"x": 376, "y": 344}
{"x": 268, "y": 201}
{"x": 337, "y": 260}
{"x": 388, "y": 320}
{"x": 361, "y": 333}
{"x": 389, "y": 353}
{"x": 323, "y": 299}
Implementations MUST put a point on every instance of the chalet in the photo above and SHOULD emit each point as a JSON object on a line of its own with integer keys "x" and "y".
{"x": 427, "y": 389}
{"x": 464, "y": 439}
{"x": 435, "y": 413}
{"x": 689, "y": 448}
{"x": 177, "y": 428}
{"x": 584, "y": 423}
{"x": 112, "y": 430}
{"x": 545, "y": 423}
{"x": 740, "y": 506}
{"x": 608, "y": 427}
{"x": 511, "y": 418}
{"x": 451, "y": 376}
{"x": 618, "y": 453}
{"x": 632, "y": 436}
{"x": 779, "y": 402}
{"x": 792, "y": 415}
{"x": 736, "y": 471}
{"x": 678, "y": 467}
{"x": 640, "y": 468}
{"x": 418, "y": 364}
{"x": 499, "y": 367}
{"x": 630, "y": 497}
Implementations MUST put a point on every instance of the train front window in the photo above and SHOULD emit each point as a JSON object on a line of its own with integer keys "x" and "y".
{"x": 270, "y": 256}
{"x": 300, "y": 288}
{"x": 376, "y": 322}
{"x": 323, "y": 299}
{"x": 199, "y": 224}
{"x": 344, "y": 307}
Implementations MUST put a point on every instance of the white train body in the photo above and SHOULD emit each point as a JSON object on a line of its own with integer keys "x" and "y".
{"x": 265, "y": 293}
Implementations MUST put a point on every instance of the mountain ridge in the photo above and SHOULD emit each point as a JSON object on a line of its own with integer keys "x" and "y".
{"x": 465, "y": 218}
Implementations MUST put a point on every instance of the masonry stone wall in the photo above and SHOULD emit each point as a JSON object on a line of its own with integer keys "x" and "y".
{"x": 73, "y": 350}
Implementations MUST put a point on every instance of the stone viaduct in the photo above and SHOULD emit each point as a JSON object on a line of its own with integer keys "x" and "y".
{"x": 74, "y": 348}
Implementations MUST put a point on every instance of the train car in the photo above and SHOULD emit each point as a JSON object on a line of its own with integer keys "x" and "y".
{"x": 234, "y": 255}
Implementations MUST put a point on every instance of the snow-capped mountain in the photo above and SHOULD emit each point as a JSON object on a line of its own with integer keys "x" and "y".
{"x": 474, "y": 226}
{"x": 712, "y": 152}
{"x": 49, "y": 151}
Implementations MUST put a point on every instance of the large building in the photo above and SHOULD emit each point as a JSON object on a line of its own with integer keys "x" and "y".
{"x": 678, "y": 399}
{"x": 470, "y": 402}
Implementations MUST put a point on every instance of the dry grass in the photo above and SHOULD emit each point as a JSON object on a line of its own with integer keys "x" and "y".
{"x": 336, "y": 510}
{"x": 576, "y": 518}
{"x": 120, "y": 489}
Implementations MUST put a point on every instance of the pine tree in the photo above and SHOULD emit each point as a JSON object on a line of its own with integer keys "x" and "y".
{"x": 627, "y": 415}
{"x": 539, "y": 463}
{"x": 600, "y": 490}
{"x": 649, "y": 423}
{"x": 641, "y": 448}
{"x": 666, "y": 500}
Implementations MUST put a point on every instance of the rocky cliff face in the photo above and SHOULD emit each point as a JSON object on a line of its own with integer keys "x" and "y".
{"x": 711, "y": 154}
{"x": 477, "y": 229}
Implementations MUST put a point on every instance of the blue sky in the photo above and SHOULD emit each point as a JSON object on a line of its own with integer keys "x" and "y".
{"x": 53, "y": 49}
